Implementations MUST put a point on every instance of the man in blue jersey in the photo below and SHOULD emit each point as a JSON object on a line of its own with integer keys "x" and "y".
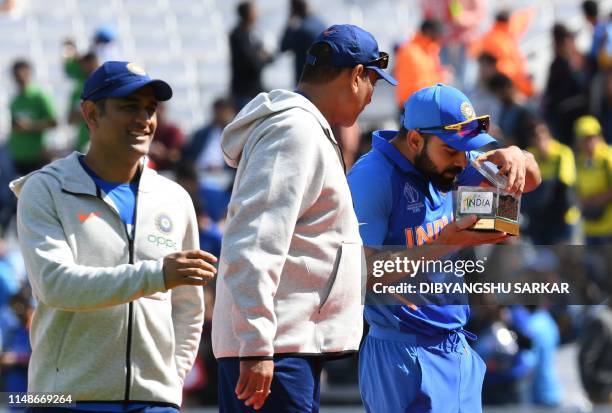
{"x": 416, "y": 358}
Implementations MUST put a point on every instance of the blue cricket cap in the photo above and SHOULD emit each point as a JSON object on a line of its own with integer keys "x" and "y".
{"x": 120, "y": 79}
{"x": 352, "y": 46}
{"x": 431, "y": 108}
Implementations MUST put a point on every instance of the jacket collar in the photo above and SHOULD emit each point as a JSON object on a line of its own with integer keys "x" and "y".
{"x": 73, "y": 178}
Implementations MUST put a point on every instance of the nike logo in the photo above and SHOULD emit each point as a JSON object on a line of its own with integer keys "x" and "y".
{"x": 85, "y": 217}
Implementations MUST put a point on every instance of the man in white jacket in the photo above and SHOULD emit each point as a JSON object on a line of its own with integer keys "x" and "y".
{"x": 289, "y": 286}
{"x": 111, "y": 250}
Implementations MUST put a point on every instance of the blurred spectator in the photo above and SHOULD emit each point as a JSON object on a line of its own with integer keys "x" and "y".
{"x": 203, "y": 153}
{"x": 594, "y": 183}
{"x": 544, "y": 334}
{"x": 165, "y": 150}
{"x": 514, "y": 117}
{"x": 9, "y": 282}
{"x": 70, "y": 58}
{"x": 8, "y": 202}
{"x": 204, "y": 148}
{"x": 605, "y": 108}
{"x": 86, "y": 65}
{"x": 105, "y": 44}
{"x": 32, "y": 114}
{"x": 461, "y": 19}
{"x": 302, "y": 29}
{"x": 502, "y": 41}
{"x": 15, "y": 349}
{"x": 564, "y": 100}
{"x": 551, "y": 208}
{"x": 12, "y": 9}
{"x": 595, "y": 357}
{"x": 210, "y": 232}
{"x": 590, "y": 10}
{"x": 506, "y": 353}
{"x": 247, "y": 55}
{"x": 7, "y": 5}
{"x": 481, "y": 97}
{"x": 417, "y": 62}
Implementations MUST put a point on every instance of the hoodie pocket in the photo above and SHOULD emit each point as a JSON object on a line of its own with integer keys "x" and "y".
{"x": 345, "y": 285}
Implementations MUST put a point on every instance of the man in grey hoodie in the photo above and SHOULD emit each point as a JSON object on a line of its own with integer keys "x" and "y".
{"x": 111, "y": 250}
{"x": 288, "y": 292}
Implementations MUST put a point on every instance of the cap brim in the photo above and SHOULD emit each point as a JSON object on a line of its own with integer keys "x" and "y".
{"x": 383, "y": 75}
{"x": 461, "y": 143}
{"x": 162, "y": 90}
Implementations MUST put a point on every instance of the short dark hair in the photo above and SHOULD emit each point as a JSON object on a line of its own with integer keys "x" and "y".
{"x": 299, "y": 8}
{"x": 223, "y": 103}
{"x": 243, "y": 9}
{"x": 590, "y": 8}
{"x": 503, "y": 16}
{"x": 322, "y": 70}
{"x": 432, "y": 26}
{"x": 21, "y": 64}
{"x": 403, "y": 133}
{"x": 532, "y": 121}
{"x": 499, "y": 82}
{"x": 486, "y": 57}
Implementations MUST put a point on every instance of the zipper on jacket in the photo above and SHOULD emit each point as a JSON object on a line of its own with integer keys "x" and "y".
{"x": 128, "y": 351}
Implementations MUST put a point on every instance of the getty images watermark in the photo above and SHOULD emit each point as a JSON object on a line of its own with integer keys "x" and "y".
{"x": 429, "y": 268}
{"x": 502, "y": 274}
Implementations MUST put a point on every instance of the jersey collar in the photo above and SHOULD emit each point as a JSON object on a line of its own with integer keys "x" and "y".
{"x": 381, "y": 142}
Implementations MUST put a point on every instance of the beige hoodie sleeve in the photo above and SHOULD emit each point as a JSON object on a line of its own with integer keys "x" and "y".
{"x": 55, "y": 278}
{"x": 187, "y": 305}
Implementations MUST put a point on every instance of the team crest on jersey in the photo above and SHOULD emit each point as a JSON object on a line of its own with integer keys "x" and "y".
{"x": 467, "y": 110}
{"x": 412, "y": 196}
{"x": 163, "y": 223}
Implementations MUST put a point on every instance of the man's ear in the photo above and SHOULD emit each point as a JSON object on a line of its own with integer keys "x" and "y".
{"x": 416, "y": 141}
{"x": 90, "y": 113}
{"x": 356, "y": 73}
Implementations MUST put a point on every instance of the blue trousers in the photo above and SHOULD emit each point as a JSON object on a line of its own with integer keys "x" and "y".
{"x": 402, "y": 373}
{"x": 295, "y": 386}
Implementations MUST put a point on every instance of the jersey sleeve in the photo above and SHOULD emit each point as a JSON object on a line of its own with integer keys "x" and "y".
{"x": 372, "y": 201}
{"x": 470, "y": 175}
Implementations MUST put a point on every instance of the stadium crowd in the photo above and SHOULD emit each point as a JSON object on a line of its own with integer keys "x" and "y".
{"x": 567, "y": 126}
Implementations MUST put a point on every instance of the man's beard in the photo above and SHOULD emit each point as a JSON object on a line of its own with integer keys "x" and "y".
{"x": 426, "y": 167}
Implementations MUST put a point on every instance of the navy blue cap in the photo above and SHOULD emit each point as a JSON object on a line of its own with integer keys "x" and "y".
{"x": 443, "y": 105}
{"x": 351, "y": 46}
{"x": 120, "y": 79}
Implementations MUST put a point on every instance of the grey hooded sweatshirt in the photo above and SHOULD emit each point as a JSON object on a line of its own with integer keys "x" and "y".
{"x": 290, "y": 272}
{"x": 106, "y": 328}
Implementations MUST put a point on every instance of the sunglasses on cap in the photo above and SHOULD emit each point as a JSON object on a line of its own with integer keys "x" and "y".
{"x": 465, "y": 129}
{"x": 382, "y": 62}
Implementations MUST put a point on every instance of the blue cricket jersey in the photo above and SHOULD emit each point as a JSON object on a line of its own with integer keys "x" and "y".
{"x": 122, "y": 195}
{"x": 396, "y": 205}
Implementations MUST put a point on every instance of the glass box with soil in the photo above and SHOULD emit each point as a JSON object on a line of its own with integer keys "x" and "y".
{"x": 496, "y": 209}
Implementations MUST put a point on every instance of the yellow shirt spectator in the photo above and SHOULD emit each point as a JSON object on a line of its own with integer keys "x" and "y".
{"x": 558, "y": 164}
{"x": 595, "y": 179}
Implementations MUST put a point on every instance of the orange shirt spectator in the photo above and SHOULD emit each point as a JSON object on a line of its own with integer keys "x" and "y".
{"x": 417, "y": 63}
{"x": 502, "y": 41}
